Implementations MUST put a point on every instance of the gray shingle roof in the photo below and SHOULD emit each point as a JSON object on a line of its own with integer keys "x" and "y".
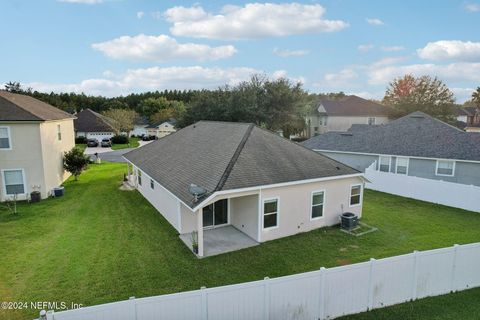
{"x": 155, "y": 125}
{"x": 353, "y": 106}
{"x": 225, "y": 156}
{"x": 416, "y": 134}
{"x": 19, "y": 107}
{"x": 90, "y": 121}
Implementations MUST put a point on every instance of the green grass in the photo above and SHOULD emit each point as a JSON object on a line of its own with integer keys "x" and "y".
{"x": 461, "y": 305}
{"x": 133, "y": 143}
{"x": 98, "y": 244}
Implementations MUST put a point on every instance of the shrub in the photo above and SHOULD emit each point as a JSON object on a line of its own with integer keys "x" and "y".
{"x": 75, "y": 162}
{"x": 81, "y": 140}
{"x": 120, "y": 139}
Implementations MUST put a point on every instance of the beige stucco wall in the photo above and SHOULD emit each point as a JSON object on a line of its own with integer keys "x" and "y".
{"x": 244, "y": 215}
{"x": 163, "y": 130}
{"x": 53, "y": 151}
{"x": 295, "y": 206}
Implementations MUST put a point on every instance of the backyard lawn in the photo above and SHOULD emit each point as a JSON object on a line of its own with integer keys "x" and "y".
{"x": 98, "y": 244}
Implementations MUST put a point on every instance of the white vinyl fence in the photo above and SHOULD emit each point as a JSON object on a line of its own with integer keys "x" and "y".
{"x": 321, "y": 294}
{"x": 442, "y": 192}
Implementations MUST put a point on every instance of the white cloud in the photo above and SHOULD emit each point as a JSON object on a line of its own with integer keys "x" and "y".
{"x": 462, "y": 94}
{"x": 140, "y": 14}
{"x": 342, "y": 78}
{"x": 82, "y": 1}
{"x": 374, "y": 22}
{"x": 368, "y": 95}
{"x": 160, "y": 48}
{"x": 285, "y": 53}
{"x": 454, "y": 72}
{"x": 156, "y": 78}
{"x": 472, "y": 7}
{"x": 365, "y": 47}
{"x": 254, "y": 20}
{"x": 451, "y": 49}
{"x": 284, "y": 74}
{"x": 392, "y": 48}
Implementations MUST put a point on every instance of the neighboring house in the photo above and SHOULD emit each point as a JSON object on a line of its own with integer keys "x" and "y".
{"x": 415, "y": 145}
{"x": 162, "y": 128}
{"x": 139, "y": 127}
{"x": 339, "y": 115}
{"x": 33, "y": 139}
{"x": 93, "y": 125}
{"x": 259, "y": 186}
{"x": 469, "y": 118}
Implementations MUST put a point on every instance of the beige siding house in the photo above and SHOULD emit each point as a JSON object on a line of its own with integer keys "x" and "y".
{"x": 162, "y": 128}
{"x": 341, "y": 114}
{"x": 33, "y": 138}
{"x": 235, "y": 185}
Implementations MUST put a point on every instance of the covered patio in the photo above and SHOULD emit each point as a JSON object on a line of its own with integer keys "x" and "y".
{"x": 221, "y": 240}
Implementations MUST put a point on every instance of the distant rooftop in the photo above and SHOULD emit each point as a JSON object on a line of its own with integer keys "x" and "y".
{"x": 352, "y": 106}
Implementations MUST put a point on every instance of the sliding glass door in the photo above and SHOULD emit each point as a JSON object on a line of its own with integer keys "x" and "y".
{"x": 215, "y": 214}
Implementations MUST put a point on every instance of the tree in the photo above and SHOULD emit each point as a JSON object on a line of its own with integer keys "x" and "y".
{"x": 75, "y": 162}
{"x": 123, "y": 120}
{"x": 150, "y": 106}
{"x": 476, "y": 97}
{"x": 430, "y": 95}
{"x": 14, "y": 87}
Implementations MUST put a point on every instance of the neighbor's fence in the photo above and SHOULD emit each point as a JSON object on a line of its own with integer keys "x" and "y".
{"x": 322, "y": 294}
{"x": 436, "y": 191}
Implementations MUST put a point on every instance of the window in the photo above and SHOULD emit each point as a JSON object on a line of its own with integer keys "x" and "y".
{"x": 5, "y": 138}
{"x": 445, "y": 168}
{"x": 355, "y": 195}
{"x": 59, "y": 133}
{"x": 13, "y": 180}
{"x": 139, "y": 177}
{"x": 402, "y": 165}
{"x": 384, "y": 163}
{"x": 371, "y": 121}
{"x": 315, "y": 129}
{"x": 317, "y": 204}
{"x": 152, "y": 184}
{"x": 270, "y": 213}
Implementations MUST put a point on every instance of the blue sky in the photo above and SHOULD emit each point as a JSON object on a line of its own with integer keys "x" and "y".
{"x": 113, "y": 47}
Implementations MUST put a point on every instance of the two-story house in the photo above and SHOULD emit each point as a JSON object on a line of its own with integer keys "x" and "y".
{"x": 340, "y": 114}
{"x": 33, "y": 139}
{"x": 162, "y": 128}
{"x": 469, "y": 118}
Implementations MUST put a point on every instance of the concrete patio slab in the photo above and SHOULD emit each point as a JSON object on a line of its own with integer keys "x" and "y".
{"x": 221, "y": 240}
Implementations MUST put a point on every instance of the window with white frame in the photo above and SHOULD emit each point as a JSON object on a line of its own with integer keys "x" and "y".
{"x": 355, "y": 195}
{"x": 384, "y": 163}
{"x": 152, "y": 184}
{"x": 59, "y": 132}
{"x": 445, "y": 168}
{"x": 13, "y": 180}
{"x": 401, "y": 165}
{"x": 139, "y": 177}
{"x": 317, "y": 204}
{"x": 270, "y": 213}
{"x": 5, "y": 142}
{"x": 371, "y": 120}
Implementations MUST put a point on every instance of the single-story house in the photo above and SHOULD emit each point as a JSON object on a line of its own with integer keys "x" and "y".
{"x": 414, "y": 145}
{"x": 33, "y": 139}
{"x": 93, "y": 125}
{"x": 236, "y": 184}
{"x": 340, "y": 114}
{"x": 162, "y": 128}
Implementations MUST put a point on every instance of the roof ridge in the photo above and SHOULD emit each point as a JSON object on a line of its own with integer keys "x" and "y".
{"x": 234, "y": 158}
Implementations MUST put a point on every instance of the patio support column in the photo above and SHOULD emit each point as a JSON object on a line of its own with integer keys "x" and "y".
{"x": 200, "y": 231}
{"x": 128, "y": 171}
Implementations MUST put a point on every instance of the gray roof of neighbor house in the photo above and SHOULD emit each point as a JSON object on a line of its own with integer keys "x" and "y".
{"x": 19, "y": 107}
{"x": 171, "y": 121}
{"x": 352, "y": 106}
{"x": 416, "y": 135}
{"x": 90, "y": 121}
{"x": 226, "y": 155}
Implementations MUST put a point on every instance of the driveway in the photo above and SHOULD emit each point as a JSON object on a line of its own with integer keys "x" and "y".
{"x": 112, "y": 156}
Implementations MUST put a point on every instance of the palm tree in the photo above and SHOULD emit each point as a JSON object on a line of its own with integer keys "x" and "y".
{"x": 476, "y": 97}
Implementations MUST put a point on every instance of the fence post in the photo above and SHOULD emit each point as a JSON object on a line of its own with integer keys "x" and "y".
{"x": 415, "y": 275}
{"x": 134, "y": 306}
{"x": 370, "y": 285}
{"x": 454, "y": 267}
{"x": 266, "y": 298}
{"x": 204, "y": 303}
{"x": 321, "y": 301}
